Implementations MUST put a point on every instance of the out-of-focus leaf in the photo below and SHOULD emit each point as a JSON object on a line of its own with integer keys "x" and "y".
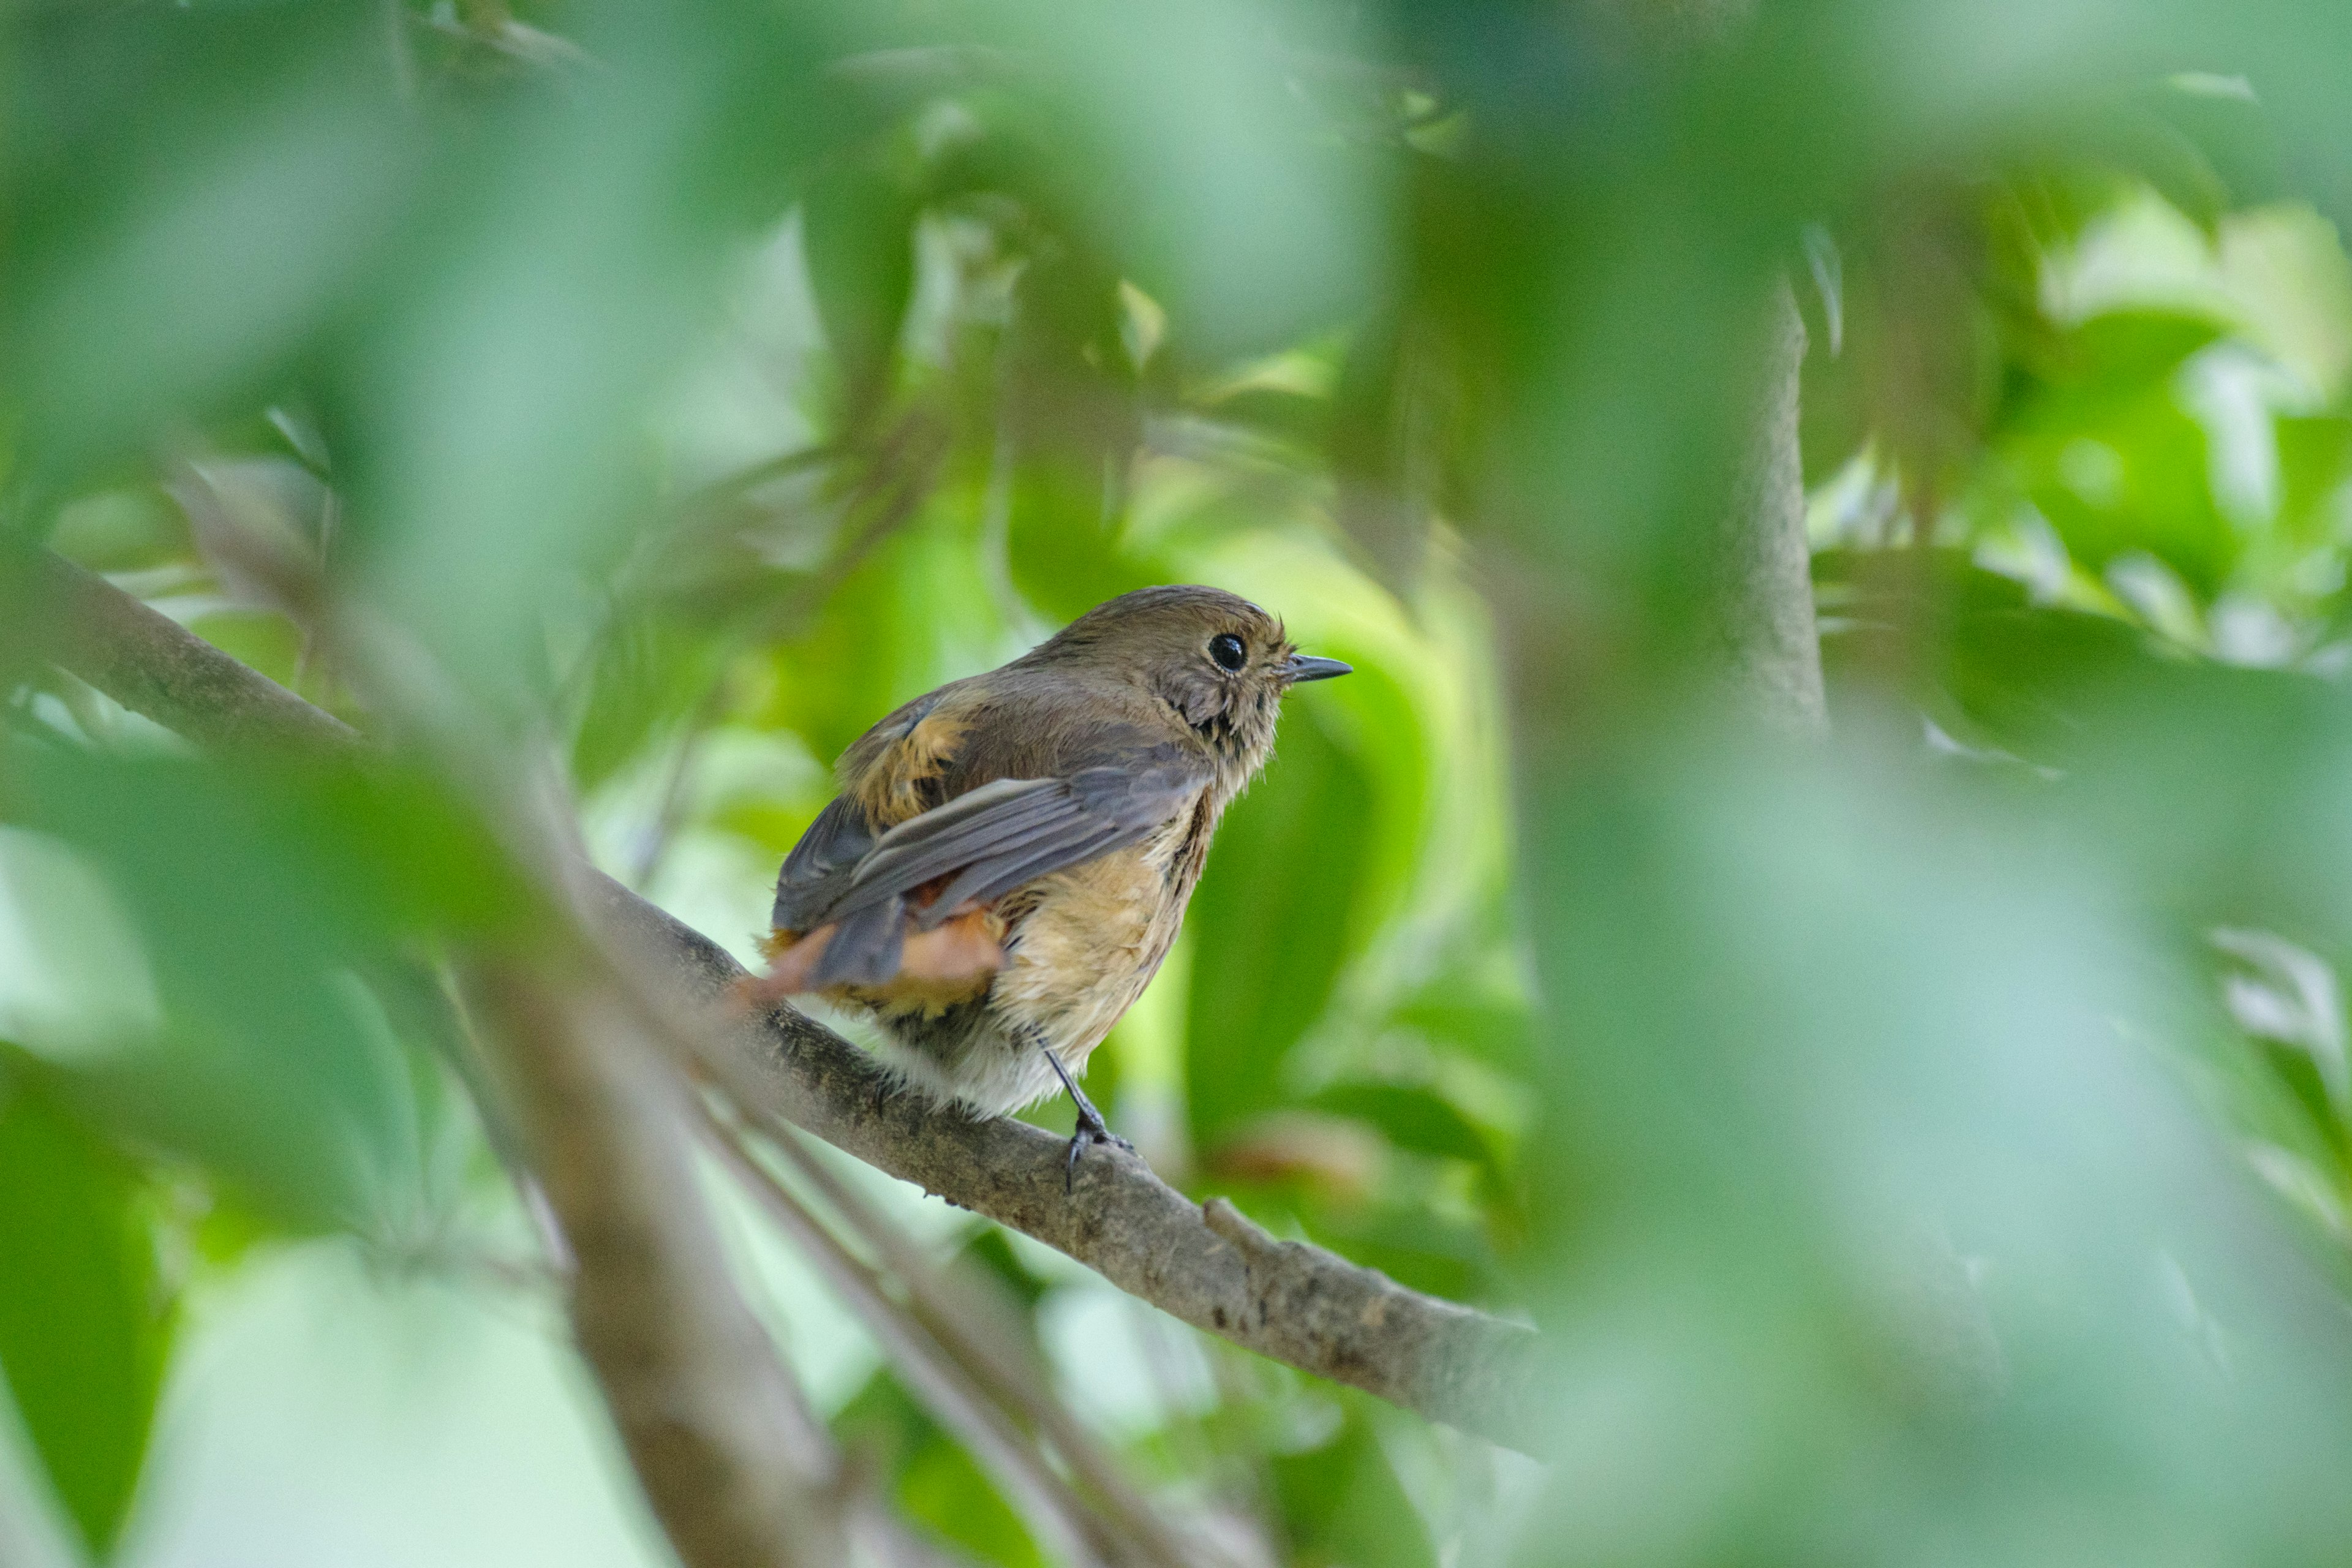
{"x": 933, "y": 1479}
{"x": 489, "y": 424}
{"x": 647, "y": 671}
{"x": 1388, "y": 732}
{"x": 919, "y": 612}
{"x": 83, "y": 1328}
{"x": 2107, "y": 452}
{"x": 1270, "y": 925}
{"x": 301, "y": 1102}
{"x": 773, "y": 827}
{"x": 1891, "y": 976}
{"x": 858, "y": 233}
{"x": 940, "y": 1486}
{"x": 2107, "y": 360}
{"x": 257, "y": 895}
{"x": 266, "y": 641}
{"x": 1412, "y": 1118}
{"x": 193, "y": 193}
{"x": 1342, "y": 1505}
{"x": 1462, "y": 1010}
{"x": 2313, "y": 454}
{"x": 2231, "y": 137}
{"x": 989, "y": 1251}
{"x": 1073, "y": 425}
{"x": 1967, "y": 648}
{"x": 121, "y": 530}
{"x": 2219, "y": 786}
{"x": 1920, "y": 367}
{"x": 1187, "y": 147}
{"x": 1064, "y": 546}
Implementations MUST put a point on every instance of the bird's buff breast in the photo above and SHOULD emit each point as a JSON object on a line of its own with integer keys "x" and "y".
{"x": 1080, "y": 945}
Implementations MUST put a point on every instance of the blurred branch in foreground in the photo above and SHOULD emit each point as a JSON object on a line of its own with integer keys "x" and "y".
{"x": 1207, "y": 1265}
{"x": 737, "y": 1466}
{"x": 1763, "y": 593}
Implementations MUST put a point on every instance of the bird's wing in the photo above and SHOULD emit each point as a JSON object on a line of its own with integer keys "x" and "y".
{"x": 985, "y": 842}
{"x": 1004, "y": 834}
{"x": 818, "y": 870}
{"x": 886, "y": 774}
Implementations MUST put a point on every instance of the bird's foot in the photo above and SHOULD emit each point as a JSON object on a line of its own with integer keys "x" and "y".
{"x": 1091, "y": 1130}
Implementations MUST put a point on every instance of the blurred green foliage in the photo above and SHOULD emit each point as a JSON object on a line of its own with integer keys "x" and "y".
{"x": 82, "y": 1331}
{"x": 1936, "y": 1148}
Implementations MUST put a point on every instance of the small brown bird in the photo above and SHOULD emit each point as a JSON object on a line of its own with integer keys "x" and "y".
{"x": 1009, "y": 857}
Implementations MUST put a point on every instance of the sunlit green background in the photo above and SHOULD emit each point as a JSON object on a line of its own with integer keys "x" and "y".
{"x": 1932, "y": 1145}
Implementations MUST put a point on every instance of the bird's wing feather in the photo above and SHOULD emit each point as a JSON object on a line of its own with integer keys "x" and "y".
{"x": 1011, "y": 831}
{"x": 819, "y": 870}
{"x": 997, "y": 816}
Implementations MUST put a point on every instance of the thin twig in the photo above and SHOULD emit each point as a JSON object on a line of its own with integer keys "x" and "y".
{"x": 944, "y": 1384}
{"x": 953, "y": 1319}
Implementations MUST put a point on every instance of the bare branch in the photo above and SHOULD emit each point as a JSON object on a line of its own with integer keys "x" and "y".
{"x": 153, "y": 665}
{"x": 1768, "y": 644}
{"x": 1287, "y": 1300}
{"x": 940, "y": 1378}
{"x": 962, "y": 1324}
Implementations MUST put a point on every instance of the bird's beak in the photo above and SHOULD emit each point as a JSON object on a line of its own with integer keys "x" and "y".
{"x": 1307, "y": 667}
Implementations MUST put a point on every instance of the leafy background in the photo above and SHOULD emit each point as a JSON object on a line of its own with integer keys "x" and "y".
{"x": 688, "y": 388}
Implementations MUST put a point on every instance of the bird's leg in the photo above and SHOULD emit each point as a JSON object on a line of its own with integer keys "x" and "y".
{"x": 1092, "y": 1128}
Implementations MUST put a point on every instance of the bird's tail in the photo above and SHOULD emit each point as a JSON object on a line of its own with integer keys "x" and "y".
{"x": 866, "y": 947}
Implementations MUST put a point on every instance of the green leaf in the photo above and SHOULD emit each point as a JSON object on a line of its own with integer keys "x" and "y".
{"x": 942, "y": 1488}
{"x": 1074, "y": 418}
{"x": 2235, "y": 144}
{"x": 1342, "y": 1504}
{"x": 82, "y": 1339}
{"x": 858, "y": 235}
{"x": 2105, "y": 451}
{"x": 1063, "y": 540}
{"x": 195, "y": 189}
{"x": 2314, "y": 453}
{"x": 259, "y": 897}
{"x": 919, "y": 612}
{"x": 1467, "y": 1011}
{"x": 648, "y": 670}
{"x": 936, "y": 1482}
{"x": 1412, "y": 1118}
{"x": 1270, "y": 925}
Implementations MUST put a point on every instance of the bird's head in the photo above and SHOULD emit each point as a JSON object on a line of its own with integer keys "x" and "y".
{"x": 1221, "y": 662}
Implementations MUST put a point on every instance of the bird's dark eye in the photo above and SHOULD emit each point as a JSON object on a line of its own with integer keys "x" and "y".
{"x": 1227, "y": 650}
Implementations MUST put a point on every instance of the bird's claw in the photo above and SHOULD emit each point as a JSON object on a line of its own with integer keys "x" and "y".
{"x": 1091, "y": 1129}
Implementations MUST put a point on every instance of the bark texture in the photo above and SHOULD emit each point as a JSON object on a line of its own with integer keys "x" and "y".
{"x": 1768, "y": 644}
{"x": 1207, "y": 1265}
{"x": 153, "y": 666}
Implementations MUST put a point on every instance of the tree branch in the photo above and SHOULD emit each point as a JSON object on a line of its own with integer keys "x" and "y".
{"x": 1769, "y": 646}
{"x": 741, "y": 1472}
{"x": 1205, "y": 1264}
{"x": 153, "y": 666}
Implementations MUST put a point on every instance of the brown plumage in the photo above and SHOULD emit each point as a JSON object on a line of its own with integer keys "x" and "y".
{"x": 1010, "y": 856}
